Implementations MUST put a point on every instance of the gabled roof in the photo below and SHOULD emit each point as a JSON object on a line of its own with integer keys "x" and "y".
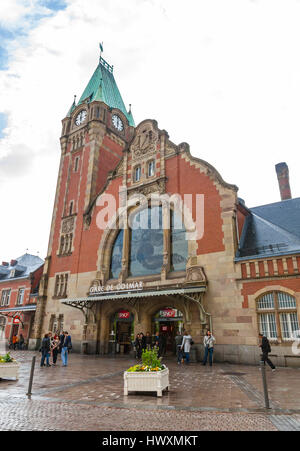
{"x": 270, "y": 230}
{"x": 22, "y": 266}
{"x": 102, "y": 87}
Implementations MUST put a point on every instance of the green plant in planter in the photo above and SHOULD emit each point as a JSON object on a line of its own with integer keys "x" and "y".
{"x": 150, "y": 362}
{"x": 150, "y": 359}
{"x": 6, "y": 358}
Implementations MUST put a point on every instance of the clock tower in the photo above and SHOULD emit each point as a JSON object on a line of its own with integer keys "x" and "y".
{"x": 95, "y": 132}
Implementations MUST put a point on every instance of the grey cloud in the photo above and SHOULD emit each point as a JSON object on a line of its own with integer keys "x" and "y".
{"x": 17, "y": 163}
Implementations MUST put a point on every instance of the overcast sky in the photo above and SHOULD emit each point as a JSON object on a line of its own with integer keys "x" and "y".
{"x": 222, "y": 75}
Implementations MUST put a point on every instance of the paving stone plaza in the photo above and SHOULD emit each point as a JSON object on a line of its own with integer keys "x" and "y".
{"x": 88, "y": 394}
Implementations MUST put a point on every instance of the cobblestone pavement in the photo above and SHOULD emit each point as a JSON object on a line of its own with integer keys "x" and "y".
{"x": 89, "y": 393}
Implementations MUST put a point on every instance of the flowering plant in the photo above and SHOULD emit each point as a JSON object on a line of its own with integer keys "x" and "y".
{"x": 6, "y": 358}
{"x": 150, "y": 362}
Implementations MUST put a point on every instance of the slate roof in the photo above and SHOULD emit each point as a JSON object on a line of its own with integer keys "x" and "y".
{"x": 271, "y": 230}
{"x": 103, "y": 87}
{"x": 25, "y": 265}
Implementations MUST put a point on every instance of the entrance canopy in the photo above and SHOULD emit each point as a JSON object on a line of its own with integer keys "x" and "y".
{"x": 134, "y": 294}
{"x": 189, "y": 294}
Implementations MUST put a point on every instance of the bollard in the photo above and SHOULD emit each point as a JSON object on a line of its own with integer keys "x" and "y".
{"x": 31, "y": 376}
{"x": 263, "y": 374}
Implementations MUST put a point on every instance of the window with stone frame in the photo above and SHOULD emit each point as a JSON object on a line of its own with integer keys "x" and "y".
{"x": 5, "y": 297}
{"x": 66, "y": 241}
{"x": 61, "y": 285}
{"x": 20, "y": 298}
{"x": 146, "y": 245}
{"x": 278, "y": 317}
{"x": 137, "y": 173}
{"x": 151, "y": 168}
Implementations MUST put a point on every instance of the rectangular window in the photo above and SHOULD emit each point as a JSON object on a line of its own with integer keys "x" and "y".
{"x": 289, "y": 325}
{"x": 5, "y": 297}
{"x": 137, "y": 174}
{"x": 71, "y": 207}
{"x": 267, "y": 323}
{"x": 151, "y": 168}
{"x": 20, "y": 296}
{"x": 76, "y": 164}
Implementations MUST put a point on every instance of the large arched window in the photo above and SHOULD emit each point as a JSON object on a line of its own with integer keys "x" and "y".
{"x": 179, "y": 243}
{"x": 277, "y": 315}
{"x": 116, "y": 256}
{"x": 146, "y": 242}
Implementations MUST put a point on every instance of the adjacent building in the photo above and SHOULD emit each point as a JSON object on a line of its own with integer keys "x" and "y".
{"x": 19, "y": 285}
{"x": 146, "y": 237}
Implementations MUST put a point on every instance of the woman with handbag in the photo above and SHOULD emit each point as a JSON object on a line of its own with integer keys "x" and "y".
{"x": 209, "y": 341}
{"x": 186, "y": 346}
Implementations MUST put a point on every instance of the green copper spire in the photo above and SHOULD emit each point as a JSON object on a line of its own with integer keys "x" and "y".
{"x": 102, "y": 87}
{"x": 73, "y": 106}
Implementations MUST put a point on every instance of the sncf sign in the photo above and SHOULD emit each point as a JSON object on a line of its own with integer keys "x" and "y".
{"x": 168, "y": 313}
{"x": 123, "y": 314}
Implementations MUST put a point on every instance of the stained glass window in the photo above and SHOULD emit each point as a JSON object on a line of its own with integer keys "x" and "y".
{"x": 116, "y": 256}
{"x": 179, "y": 244}
{"x": 146, "y": 243}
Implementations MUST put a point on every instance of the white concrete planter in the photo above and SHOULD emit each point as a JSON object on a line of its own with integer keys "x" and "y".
{"x": 146, "y": 381}
{"x": 9, "y": 370}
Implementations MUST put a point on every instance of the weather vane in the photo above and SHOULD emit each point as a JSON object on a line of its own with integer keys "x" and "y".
{"x": 101, "y": 48}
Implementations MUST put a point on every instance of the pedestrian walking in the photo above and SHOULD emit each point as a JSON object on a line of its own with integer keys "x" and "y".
{"x": 66, "y": 346}
{"x": 178, "y": 343}
{"x": 208, "y": 341}
{"x": 186, "y": 346}
{"x": 45, "y": 350}
{"x": 138, "y": 346}
{"x": 148, "y": 340}
{"x": 266, "y": 348}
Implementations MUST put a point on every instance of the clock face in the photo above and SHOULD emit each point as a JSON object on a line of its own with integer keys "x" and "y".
{"x": 117, "y": 123}
{"x": 80, "y": 118}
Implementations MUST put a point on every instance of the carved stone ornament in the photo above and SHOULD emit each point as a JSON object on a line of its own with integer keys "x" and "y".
{"x": 145, "y": 141}
{"x": 195, "y": 274}
{"x": 96, "y": 286}
{"x": 68, "y": 225}
{"x": 157, "y": 186}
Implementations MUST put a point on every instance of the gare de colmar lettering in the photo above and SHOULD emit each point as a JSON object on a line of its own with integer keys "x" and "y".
{"x": 118, "y": 288}
{"x": 107, "y": 278}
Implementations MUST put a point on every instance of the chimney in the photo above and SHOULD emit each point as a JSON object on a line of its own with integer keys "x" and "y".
{"x": 5, "y": 264}
{"x": 282, "y": 171}
{"x": 13, "y": 262}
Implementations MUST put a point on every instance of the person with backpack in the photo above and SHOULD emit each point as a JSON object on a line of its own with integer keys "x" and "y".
{"x": 209, "y": 341}
{"x": 266, "y": 348}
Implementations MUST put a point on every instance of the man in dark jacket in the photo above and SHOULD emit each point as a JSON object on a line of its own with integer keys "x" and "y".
{"x": 266, "y": 348}
{"x": 66, "y": 345}
{"x": 45, "y": 350}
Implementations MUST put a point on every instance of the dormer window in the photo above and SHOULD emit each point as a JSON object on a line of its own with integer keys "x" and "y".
{"x": 151, "y": 167}
{"x": 137, "y": 173}
{"x": 12, "y": 273}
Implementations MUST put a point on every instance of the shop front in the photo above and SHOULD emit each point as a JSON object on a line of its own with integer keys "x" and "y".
{"x": 166, "y": 323}
{"x": 122, "y": 332}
